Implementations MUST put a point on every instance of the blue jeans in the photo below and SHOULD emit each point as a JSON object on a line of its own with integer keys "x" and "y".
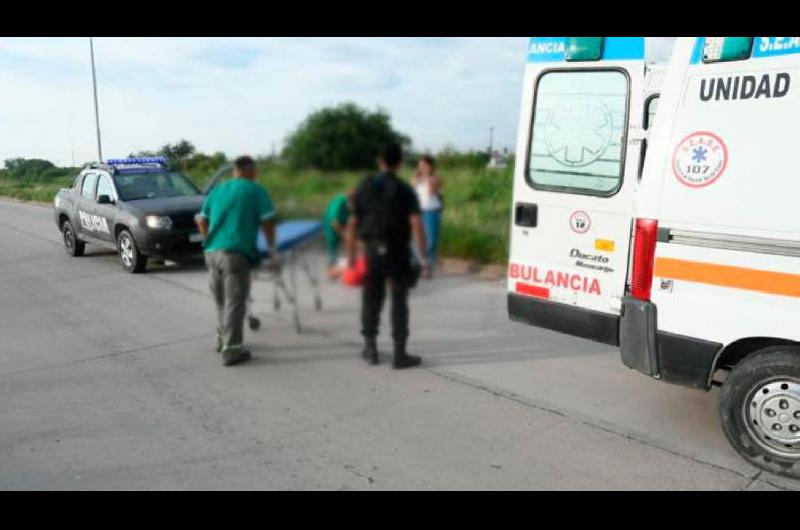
{"x": 431, "y": 219}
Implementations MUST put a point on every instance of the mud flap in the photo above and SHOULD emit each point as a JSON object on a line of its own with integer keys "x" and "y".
{"x": 637, "y": 336}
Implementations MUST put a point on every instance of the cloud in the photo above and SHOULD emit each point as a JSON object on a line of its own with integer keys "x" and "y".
{"x": 246, "y": 94}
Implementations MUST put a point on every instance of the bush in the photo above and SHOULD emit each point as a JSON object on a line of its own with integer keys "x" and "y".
{"x": 450, "y": 159}
{"x": 34, "y": 170}
{"x": 200, "y": 163}
{"x": 340, "y": 138}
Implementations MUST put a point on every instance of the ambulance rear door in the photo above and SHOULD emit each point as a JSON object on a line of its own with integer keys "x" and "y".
{"x": 577, "y": 165}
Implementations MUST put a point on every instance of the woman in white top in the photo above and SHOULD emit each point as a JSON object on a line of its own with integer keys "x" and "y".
{"x": 428, "y": 186}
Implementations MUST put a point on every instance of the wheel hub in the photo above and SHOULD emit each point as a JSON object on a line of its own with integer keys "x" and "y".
{"x": 126, "y": 251}
{"x": 68, "y": 237}
{"x": 773, "y": 416}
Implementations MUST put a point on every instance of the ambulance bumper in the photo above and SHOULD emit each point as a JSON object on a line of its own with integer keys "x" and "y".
{"x": 667, "y": 356}
{"x": 564, "y": 318}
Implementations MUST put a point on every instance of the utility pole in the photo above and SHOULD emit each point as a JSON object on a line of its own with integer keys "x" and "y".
{"x": 491, "y": 140}
{"x": 96, "y": 111}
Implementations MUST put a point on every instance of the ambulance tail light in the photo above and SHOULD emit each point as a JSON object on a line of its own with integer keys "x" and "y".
{"x": 644, "y": 251}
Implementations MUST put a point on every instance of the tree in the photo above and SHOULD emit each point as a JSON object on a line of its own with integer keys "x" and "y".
{"x": 177, "y": 153}
{"x": 142, "y": 154}
{"x": 203, "y": 163}
{"x": 27, "y": 168}
{"x": 341, "y": 137}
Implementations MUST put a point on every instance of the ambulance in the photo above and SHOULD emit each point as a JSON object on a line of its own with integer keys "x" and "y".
{"x": 655, "y": 208}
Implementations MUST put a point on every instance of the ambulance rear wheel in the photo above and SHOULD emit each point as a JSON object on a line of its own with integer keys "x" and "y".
{"x": 72, "y": 244}
{"x": 132, "y": 260}
{"x": 760, "y": 409}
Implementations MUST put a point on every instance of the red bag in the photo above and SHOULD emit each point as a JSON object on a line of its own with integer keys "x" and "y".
{"x": 361, "y": 265}
{"x": 354, "y": 276}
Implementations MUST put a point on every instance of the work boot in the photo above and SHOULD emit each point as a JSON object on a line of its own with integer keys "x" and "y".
{"x": 370, "y": 351}
{"x": 236, "y": 356}
{"x": 401, "y": 357}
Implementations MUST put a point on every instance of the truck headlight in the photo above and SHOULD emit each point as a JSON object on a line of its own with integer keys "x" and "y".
{"x": 57, "y": 201}
{"x": 158, "y": 222}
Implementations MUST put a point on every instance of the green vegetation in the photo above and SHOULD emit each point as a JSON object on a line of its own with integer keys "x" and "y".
{"x": 34, "y": 179}
{"x": 329, "y": 153}
{"x": 477, "y": 200}
{"x": 340, "y": 138}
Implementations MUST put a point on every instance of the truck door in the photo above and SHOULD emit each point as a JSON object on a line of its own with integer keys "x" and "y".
{"x": 576, "y": 168}
{"x": 104, "y": 214}
{"x": 84, "y": 207}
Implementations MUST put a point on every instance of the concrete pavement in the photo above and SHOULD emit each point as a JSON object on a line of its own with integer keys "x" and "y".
{"x": 110, "y": 381}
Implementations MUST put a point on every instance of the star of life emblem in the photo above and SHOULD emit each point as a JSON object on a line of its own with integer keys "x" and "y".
{"x": 578, "y": 130}
{"x": 699, "y": 159}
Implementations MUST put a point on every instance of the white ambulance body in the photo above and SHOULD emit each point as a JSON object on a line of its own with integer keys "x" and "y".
{"x": 690, "y": 262}
{"x": 578, "y": 163}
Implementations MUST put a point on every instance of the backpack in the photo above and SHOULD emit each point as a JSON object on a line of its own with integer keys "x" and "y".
{"x": 379, "y": 224}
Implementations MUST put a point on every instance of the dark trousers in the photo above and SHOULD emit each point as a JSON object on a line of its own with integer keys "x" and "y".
{"x": 381, "y": 270}
{"x": 229, "y": 280}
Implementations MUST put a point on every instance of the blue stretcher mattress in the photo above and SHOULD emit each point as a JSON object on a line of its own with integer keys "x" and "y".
{"x": 290, "y": 233}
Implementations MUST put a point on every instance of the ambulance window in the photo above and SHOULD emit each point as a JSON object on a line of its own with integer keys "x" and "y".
{"x": 88, "y": 185}
{"x": 578, "y": 132}
{"x": 651, "y": 106}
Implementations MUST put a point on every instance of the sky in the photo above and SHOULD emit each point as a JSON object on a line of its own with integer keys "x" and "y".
{"x": 245, "y": 95}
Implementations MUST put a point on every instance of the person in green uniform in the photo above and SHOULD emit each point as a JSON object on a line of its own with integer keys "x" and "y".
{"x": 335, "y": 223}
{"x": 229, "y": 222}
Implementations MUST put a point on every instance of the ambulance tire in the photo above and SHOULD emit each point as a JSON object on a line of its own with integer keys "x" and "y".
{"x": 132, "y": 260}
{"x": 72, "y": 244}
{"x": 748, "y": 380}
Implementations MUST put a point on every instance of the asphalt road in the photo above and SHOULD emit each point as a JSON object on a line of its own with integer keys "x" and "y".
{"x": 110, "y": 381}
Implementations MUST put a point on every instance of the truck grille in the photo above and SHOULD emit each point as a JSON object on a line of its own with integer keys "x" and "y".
{"x": 183, "y": 221}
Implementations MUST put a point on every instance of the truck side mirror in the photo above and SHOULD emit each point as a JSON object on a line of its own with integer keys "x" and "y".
{"x": 104, "y": 199}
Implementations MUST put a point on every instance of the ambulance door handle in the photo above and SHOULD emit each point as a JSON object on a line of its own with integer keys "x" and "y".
{"x": 526, "y": 214}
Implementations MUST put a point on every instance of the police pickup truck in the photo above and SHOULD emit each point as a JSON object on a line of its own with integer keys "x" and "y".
{"x": 136, "y": 206}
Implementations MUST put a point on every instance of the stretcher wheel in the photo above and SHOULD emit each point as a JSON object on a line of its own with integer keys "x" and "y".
{"x": 253, "y": 322}
{"x": 318, "y": 303}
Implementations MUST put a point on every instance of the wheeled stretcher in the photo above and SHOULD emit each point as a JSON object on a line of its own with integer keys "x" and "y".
{"x": 293, "y": 240}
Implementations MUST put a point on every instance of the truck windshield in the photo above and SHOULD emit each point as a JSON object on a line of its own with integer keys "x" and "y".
{"x": 134, "y": 186}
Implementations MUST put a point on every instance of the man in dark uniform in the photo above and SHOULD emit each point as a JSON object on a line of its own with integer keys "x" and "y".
{"x": 385, "y": 214}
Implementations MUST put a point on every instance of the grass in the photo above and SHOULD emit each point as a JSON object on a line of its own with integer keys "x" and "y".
{"x": 475, "y": 223}
{"x": 33, "y": 191}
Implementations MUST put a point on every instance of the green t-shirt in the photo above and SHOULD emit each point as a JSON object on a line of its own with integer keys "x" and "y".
{"x": 337, "y": 211}
{"x": 235, "y": 211}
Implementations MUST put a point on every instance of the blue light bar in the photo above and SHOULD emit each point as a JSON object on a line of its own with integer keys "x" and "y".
{"x": 140, "y": 170}
{"x": 160, "y": 160}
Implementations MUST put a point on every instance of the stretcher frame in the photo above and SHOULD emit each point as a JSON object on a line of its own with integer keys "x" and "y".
{"x": 294, "y": 255}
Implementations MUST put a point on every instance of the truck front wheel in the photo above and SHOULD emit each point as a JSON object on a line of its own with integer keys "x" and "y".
{"x": 72, "y": 244}
{"x": 132, "y": 260}
{"x": 760, "y": 409}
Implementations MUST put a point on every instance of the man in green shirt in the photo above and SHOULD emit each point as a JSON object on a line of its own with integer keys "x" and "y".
{"x": 334, "y": 224}
{"x": 229, "y": 222}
